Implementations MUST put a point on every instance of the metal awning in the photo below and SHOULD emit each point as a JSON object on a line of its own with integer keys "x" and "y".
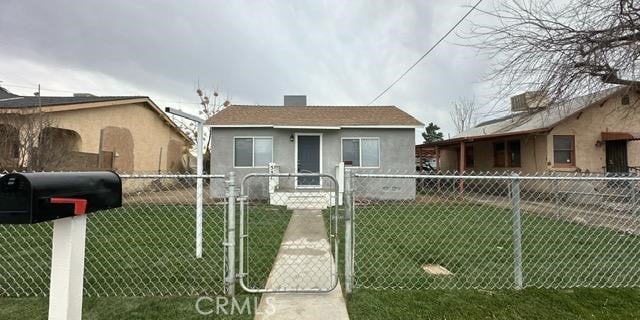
{"x": 611, "y": 136}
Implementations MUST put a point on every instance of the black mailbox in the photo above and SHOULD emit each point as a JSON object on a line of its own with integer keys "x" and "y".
{"x": 27, "y": 198}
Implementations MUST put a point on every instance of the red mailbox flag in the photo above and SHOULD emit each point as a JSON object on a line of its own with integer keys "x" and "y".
{"x": 79, "y": 205}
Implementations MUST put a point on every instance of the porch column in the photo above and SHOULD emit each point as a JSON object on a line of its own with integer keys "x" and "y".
{"x": 461, "y": 164}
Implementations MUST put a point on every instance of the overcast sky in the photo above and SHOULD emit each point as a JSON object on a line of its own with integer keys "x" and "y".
{"x": 335, "y": 52}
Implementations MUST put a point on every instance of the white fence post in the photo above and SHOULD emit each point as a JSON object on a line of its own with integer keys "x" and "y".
{"x": 67, "y": 268}
{"x": 230, "y": 243}
{"x": 348, "y": 233}
{"x": 517, "y": 233}
{"x": 340, "y": 177}
{"x": 199, "y": 192}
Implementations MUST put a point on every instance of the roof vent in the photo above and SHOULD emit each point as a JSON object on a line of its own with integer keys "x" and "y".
{"x": 530, "y": 100}
{"x": 297, "y": 101}
{"x": 83, "y": 95}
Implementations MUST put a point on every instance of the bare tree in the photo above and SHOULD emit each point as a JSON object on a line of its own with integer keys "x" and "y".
{"x": 564, "y": 48}
{"x": 210, "y": 104}
{"x": 29, "y": 141}
{"x": 462, "y": 114}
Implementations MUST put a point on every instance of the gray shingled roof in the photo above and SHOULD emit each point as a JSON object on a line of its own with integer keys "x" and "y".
{"x": 10, "y": 100}
{"x": 523, "y": 122}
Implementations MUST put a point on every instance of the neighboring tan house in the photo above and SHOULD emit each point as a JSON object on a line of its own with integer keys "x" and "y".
{"x": 594, "y": 133}
{"x": 121, "y": 133}
{"x": 310, "y": 139}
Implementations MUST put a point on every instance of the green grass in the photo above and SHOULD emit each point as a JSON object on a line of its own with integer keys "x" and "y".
{"x": 475, "y": 242}
{"x": 149, "y": 249}
{"x": 137, "y": 250}
{"x": 535, "y": 304}
{"x": 123, "y": 308}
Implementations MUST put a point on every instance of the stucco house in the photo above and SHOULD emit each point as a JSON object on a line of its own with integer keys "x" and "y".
{"x": 594, "y": 133}
{"x": 121, "y": 133}
{"x": 296, "y": 138}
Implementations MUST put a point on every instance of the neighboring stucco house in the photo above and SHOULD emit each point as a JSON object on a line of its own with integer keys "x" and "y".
{"x": 593, "y": 133}
{"x": 300, "y": 138}
{"x": 121, "y": 133}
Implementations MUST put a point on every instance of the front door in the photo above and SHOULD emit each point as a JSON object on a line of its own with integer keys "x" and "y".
{"x": 617, "y": 156}
{"x": 308, "y": 159}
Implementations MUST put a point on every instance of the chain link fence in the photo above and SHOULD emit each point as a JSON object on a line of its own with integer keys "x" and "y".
{"x": 495, "y": 231}
{"x": 409, "y": 232}
{"x": 145, "y": 248}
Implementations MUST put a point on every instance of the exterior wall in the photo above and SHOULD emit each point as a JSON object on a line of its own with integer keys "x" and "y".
{"x": 533, "y": 150}
{"x": 151, "y": 136}
{"x": 587, "y": 128}
{"x": 396, "y": 155}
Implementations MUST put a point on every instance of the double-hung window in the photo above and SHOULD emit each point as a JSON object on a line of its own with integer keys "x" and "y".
{"x": 564, "y": 151}
{"x": 252, "y": 151}
{"x": 361, "y": 152}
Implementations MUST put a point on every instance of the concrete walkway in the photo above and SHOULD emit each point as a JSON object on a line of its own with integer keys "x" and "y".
{"x": 304, "y": 261}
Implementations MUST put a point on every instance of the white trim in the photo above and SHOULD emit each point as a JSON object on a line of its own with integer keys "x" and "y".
{"x": 253, "y": 151}
{"x": 240, "y": 126}
{"x": 383, "y": 126}
{"x": 295, "y": 160}
{"x": 308, "y": 127}
{"x": 360, "y": 151}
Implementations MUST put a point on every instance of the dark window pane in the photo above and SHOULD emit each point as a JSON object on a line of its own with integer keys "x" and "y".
{"x": 514, "y": 153}
{"x": 16, "y": 150}
{"x": 243, "y": 152}
{"x": 351, "y": 152}
{"x": 563, "y": 142}
{"x": 468, "y": 161}
{"x": 498, "y": 154}
{"x": 562, "y": 157}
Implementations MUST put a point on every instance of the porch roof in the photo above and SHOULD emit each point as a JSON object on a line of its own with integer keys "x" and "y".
{"x": 612, "y": 136}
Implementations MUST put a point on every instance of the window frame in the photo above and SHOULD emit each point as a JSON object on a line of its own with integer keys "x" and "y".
{"x": 360, "y": 151}
{"x": 469, "y": 155}
{"x": 508, "y": 154}
{"x": 572, "y": 164}
{"x": 253, "y": 151}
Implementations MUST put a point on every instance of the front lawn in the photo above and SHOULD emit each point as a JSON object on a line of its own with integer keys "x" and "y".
{"x": 475, "y": 243}
{"x": 534, "y": 304}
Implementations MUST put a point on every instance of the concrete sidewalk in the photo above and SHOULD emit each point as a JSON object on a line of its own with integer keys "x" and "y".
{"x": 304, "y": 261}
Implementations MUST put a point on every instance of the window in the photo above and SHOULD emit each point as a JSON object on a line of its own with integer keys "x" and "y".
{"x": 514, "y": 153}
{"x": 564, "y": 153}
{"x": 498, "y": 154}
{"x": 252, "y": 151}
{"x": 468, "y": 157}
{"x": 351, "y": 152}
{"x": 15, "y": 152}
{"x": 361, "y": 152}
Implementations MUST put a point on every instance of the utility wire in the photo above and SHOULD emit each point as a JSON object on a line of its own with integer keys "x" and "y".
{"x": 426, "y": 53}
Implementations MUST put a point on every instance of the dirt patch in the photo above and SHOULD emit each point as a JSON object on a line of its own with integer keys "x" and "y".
{"x": 436, "y": 269}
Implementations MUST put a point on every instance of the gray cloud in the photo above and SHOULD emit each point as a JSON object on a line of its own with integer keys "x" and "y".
{"x": 336, "y": 52}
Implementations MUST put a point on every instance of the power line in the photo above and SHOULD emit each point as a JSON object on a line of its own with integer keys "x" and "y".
{"x": 426, "y": 53}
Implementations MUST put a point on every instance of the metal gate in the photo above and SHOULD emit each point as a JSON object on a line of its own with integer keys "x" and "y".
{"x": 288, "y": 239}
